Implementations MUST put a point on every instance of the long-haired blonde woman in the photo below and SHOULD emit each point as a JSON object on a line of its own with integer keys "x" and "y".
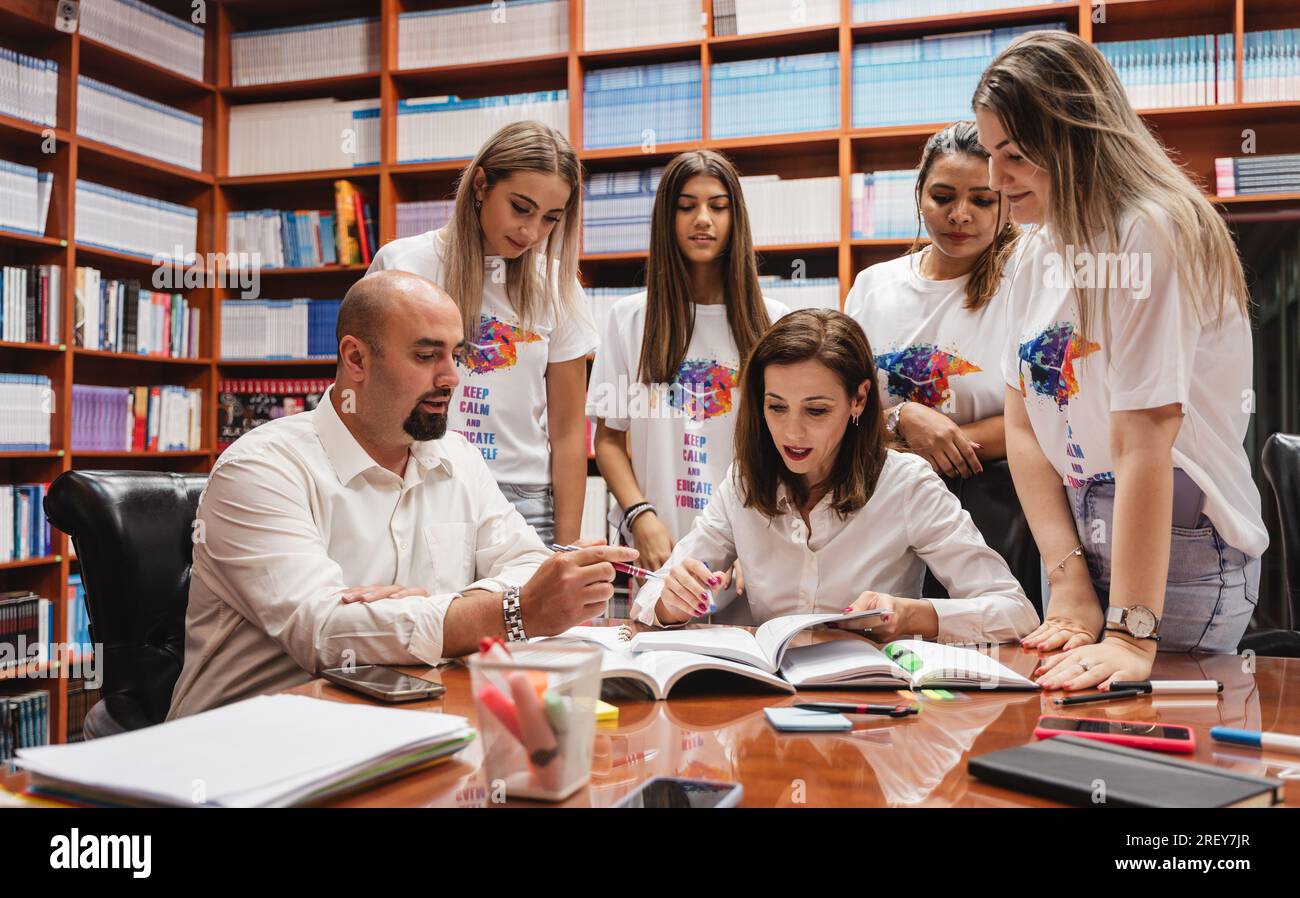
{"x": 937, "y": 316}
{"x": 509, "y": 258}
{"x": 666, "y": 382}
{"x": 1130, "y": 376}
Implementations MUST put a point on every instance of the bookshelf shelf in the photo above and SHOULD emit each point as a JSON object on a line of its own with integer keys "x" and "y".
{"x": 1197, "y": 134}
{"x": 30, "y": 562}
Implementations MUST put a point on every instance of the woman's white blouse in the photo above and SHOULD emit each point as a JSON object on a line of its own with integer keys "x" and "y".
{"x": 910, "y": 522}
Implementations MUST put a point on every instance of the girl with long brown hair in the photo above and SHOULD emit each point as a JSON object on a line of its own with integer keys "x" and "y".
{"x": 509, "y": 259}
{"x": 1128, "y": 379}
{"x": 665, "y": 385}
{"x": 822, "y": 515}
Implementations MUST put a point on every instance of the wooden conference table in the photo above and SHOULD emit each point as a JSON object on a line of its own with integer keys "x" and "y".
{"x": 710, "y": 730}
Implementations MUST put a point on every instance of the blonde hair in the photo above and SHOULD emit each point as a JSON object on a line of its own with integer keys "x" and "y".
{"x": 1059, "y": 100}
{"x": 986, "y": 274}
{"x": 520, "y": 146}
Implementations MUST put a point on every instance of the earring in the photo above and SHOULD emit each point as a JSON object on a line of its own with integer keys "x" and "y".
{"x": 478, "y": 204}
{"x": 855, "y": 419}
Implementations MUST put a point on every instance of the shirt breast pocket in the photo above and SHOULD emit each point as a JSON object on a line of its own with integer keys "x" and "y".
{"x": 451, "y": 555}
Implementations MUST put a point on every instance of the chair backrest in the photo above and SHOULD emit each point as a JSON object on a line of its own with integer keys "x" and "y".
{"x": 132, "y": 533}
{"x": 1280, "y": 462}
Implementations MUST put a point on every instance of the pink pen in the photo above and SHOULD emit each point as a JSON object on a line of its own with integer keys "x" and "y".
{"x": 631, "y": 569}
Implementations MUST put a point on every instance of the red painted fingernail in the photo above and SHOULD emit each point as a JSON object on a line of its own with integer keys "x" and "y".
{"x": 847, "y": 610}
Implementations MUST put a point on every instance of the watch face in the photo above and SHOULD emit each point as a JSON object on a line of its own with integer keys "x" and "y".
{"x": 1141, "y": 621}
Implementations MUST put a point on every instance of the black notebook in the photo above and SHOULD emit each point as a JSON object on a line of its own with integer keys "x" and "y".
{"x": 1080, "y": 771}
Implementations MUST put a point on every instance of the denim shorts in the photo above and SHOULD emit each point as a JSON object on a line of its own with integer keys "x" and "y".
{"x": 1212, "y": 587}
{"x": 536, "y": 504}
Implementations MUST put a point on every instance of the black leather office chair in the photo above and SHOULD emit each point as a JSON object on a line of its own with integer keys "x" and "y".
{"x": 990, "y": 499}
{"x": 132, "y": 533}
{"x": 1280, "y": 462}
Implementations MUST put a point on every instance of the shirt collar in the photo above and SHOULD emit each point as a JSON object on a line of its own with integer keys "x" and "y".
{"x": 348, "y": 457}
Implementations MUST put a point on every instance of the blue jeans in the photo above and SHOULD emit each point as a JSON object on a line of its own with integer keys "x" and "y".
{"x": 536, "y": 504}
{"x": 1212, "y": 588}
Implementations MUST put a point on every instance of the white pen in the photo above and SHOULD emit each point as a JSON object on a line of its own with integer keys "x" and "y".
{"x": 1170, "y": 687}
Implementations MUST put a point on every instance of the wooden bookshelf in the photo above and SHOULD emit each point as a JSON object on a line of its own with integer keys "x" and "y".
{"x": 1196, "y": 134}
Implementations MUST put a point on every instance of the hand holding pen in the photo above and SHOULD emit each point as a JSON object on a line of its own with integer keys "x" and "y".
{"x": 630, "y": 569}
{"x": 689, "y": 591}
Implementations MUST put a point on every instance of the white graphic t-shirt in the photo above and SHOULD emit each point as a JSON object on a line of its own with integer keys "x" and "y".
{"x": 500, "y": 404}
{"x": 928, "y": 348}
{"x": 680, "y": 434}
{"x": 1153, "y": 351}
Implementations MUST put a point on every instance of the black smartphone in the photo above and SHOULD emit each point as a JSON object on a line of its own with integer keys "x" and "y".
{"x": 384, "y": 683}
{"x": 675, "y": 792}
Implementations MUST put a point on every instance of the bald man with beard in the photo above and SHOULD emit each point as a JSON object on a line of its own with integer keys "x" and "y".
{"x": 362, "y": 532}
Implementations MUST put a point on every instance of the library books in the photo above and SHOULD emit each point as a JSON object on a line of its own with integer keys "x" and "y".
{"x": 1270, "y": 65}
{"x": 757, "y": 16}
{"x": 304, "y": 52}
{"x": 1197, "y": 70}
{"x": 356, "y": 232}
{"x": 24, "y": 722}
{"x": 31, "y": 310}
{"x": 792, "y": 210}
{"x": 245, "y": 403}
{"x": 423, "y": 216}
{"x": 882, "y": 204}
{"x": 612, "y": 24}
{"x": 26, "y": 406}
{"x": 261, "y": 752}
{"x": 925, "y": 79}
{"x": 303, "y": 135}
{"x": 125, "y": 222}
{"x": 776, "y": 95}
{"x": 78, "y": 618}
{"x": 118, "y": 117}
{"x": 24, "y": 197}
{"x": 1257, "y": 174}
{"x": 29, "y": 87}
{"x": 641, "y": 105}
{"x": 616, "y": 210}
{"x": 282, "y": 239}
{"x": 279, "y": 329}
{"x": 118, "y": 316}
{"x": 802, "y": 293}
{"x": 482, "y": 32}
{"x": 24, "y": 531}
{"x": 724, "y": 18}
{"x": 146, "y": 32}
{"x": 81, "y": 698}
{"x": 24, "y": 629}
{"x": 447, "y": 127}
{"x": 884, "y": 10}
{"x": 157, "y": 418}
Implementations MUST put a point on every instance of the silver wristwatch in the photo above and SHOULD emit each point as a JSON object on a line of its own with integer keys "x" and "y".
{"x": 514, "y": 615}
{"x": 891, "y": 420}
{"x": 1137, "y": 621}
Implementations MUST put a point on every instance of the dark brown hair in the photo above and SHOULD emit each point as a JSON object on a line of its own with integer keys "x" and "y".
{"x": 670, "y": 313}
{"x": 986, "y": 275}
{"x": 836, "y": 341}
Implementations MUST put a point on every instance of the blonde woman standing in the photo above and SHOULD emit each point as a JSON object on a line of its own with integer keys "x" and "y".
{"x": 509, "y": 258}
{"x": 1129, "y": 378}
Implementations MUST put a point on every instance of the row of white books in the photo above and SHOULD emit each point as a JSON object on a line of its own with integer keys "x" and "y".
{"x": 628, "y": 23}
{"x": 1270, "y": 65}
{"x": 115, "y": 315}
{"x": 757, "y": 16}
{"x": 24, "y": 197}
{"x": 149, "y": 33}
{"x": 130, "y": 223}
{"x": 29, "y": 87}
{"x": 484, "y": 32}
{"x": 792, "y": 210}
{"x": 118, "y": 117}
{"x": 433, "y": 128}
{"x": 279, "y": 328}
{"x": 32, "y": 306}
{"x": 802, "y": 293}
{"x": 1196, "y": 70}
{"x": 885, "y": 10}
{"x": 301, "y": 52}
{"x": 26, "y": 406}
{"x": 882, "y": 204}
{"x": 616, "y": 211}
{"x": 422, "y": 216}
{"x": 303, "y": 135}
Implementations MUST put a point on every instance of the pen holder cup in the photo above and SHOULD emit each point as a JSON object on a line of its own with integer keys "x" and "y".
{"x": 537, "y": 716}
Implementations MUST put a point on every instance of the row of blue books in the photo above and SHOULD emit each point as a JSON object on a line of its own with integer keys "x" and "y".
{"x": 24, "y": 721}
{"x": 1197, "y": 70}
{"x": 1270, "y": 65}
{"x": 24, "y": 531}
{"x": 78, "y": 618}
{"x": 775, "y": 96}
{"x": 1257, "y": 174}
{"x": 284, "y": 239}
{"x": 926, "y": 79}
{"x": 641, "y": 104}
{"x": 616, "y": 210}
{"x": 279, "y": 329}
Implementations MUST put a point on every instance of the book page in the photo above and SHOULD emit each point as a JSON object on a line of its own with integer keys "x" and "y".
{"x": 733, "y": 643}
{"x": 929, "y": 662}
{"x": 774, "y": 635}
{"x": 837, "y": 660}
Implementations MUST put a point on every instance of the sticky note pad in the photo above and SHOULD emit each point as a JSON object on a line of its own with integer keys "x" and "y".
{"x": 801, "y": 720}
{"x": 605, "y": 712}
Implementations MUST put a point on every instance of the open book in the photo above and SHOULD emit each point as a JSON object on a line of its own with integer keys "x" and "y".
{"x": 656, "y": 661}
